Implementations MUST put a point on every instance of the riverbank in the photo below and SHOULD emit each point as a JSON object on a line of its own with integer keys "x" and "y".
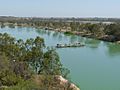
{"x": 68, "y": 31}
{"x": 56, "y": 83}
{"x": 103, "y": 31}
{"x": 107, "y": 38}
{"x": 53, "y": 83}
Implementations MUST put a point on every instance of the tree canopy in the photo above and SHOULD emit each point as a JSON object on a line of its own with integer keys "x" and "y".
{"x": 22, "y": 59}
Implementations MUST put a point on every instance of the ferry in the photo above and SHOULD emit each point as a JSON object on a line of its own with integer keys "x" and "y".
{"x": 77, "y": 44}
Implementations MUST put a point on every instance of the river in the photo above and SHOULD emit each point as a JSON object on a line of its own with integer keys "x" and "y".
{"x": 93, "y": 67}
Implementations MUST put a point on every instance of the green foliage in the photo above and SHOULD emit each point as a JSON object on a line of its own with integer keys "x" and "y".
{"x": 51, "y": 64}
{"x": 7, "y": 75}
{"x": 24, "y": 85}
{"x": 113, "y": 29}
{"x": 68, "y": 33}
{"x": 21, "y": 60}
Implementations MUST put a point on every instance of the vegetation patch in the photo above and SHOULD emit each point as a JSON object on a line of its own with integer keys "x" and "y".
{"x": 68, "y": 33}
{"x": 21, "y": 62}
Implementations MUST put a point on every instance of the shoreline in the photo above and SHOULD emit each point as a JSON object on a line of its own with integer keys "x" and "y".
{"x": 106, "y": 38}
{"x": 57, "y": 81}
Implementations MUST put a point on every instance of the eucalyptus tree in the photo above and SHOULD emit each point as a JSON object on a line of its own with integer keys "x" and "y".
{"x": 51, "y": 64}
{"x": 30, "y": 54}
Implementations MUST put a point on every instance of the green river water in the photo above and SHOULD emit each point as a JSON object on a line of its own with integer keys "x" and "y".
{"x": 93, "y": 67}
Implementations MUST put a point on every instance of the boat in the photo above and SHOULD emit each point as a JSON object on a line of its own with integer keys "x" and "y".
{"x": 78, "y": 44}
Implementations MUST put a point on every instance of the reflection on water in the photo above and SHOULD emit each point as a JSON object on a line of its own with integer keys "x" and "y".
{"x": 73, "y": 38}
{"x": 55, "y": 34}
{"x": 92, "y": 43}
{"x": 43, "y": 32}
{"x": 113, "y": 49}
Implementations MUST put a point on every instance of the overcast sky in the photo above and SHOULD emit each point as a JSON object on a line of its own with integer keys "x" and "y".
{"x": 60, "y": 8}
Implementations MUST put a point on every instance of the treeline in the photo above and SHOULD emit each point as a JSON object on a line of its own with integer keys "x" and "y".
{"x": 20, "y": 61}
{"x": 57, "y": 19}
{"x": 107, "y": 31}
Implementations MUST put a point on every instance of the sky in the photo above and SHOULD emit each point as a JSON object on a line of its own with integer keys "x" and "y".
{"x": 60, "y": 8}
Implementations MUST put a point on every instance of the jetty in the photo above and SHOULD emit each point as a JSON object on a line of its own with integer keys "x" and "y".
{"x": 77, "y": 44}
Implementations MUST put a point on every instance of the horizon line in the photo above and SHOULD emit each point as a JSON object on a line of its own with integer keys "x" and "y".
{"x": 59, "y": 16}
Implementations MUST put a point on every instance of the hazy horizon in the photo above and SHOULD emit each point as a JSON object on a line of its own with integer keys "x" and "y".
{"x": 55, "y": 16}
{"x": 61, "y": 8}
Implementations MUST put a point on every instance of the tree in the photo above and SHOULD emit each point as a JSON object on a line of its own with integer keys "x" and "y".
{"x": 51, "y": 64}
